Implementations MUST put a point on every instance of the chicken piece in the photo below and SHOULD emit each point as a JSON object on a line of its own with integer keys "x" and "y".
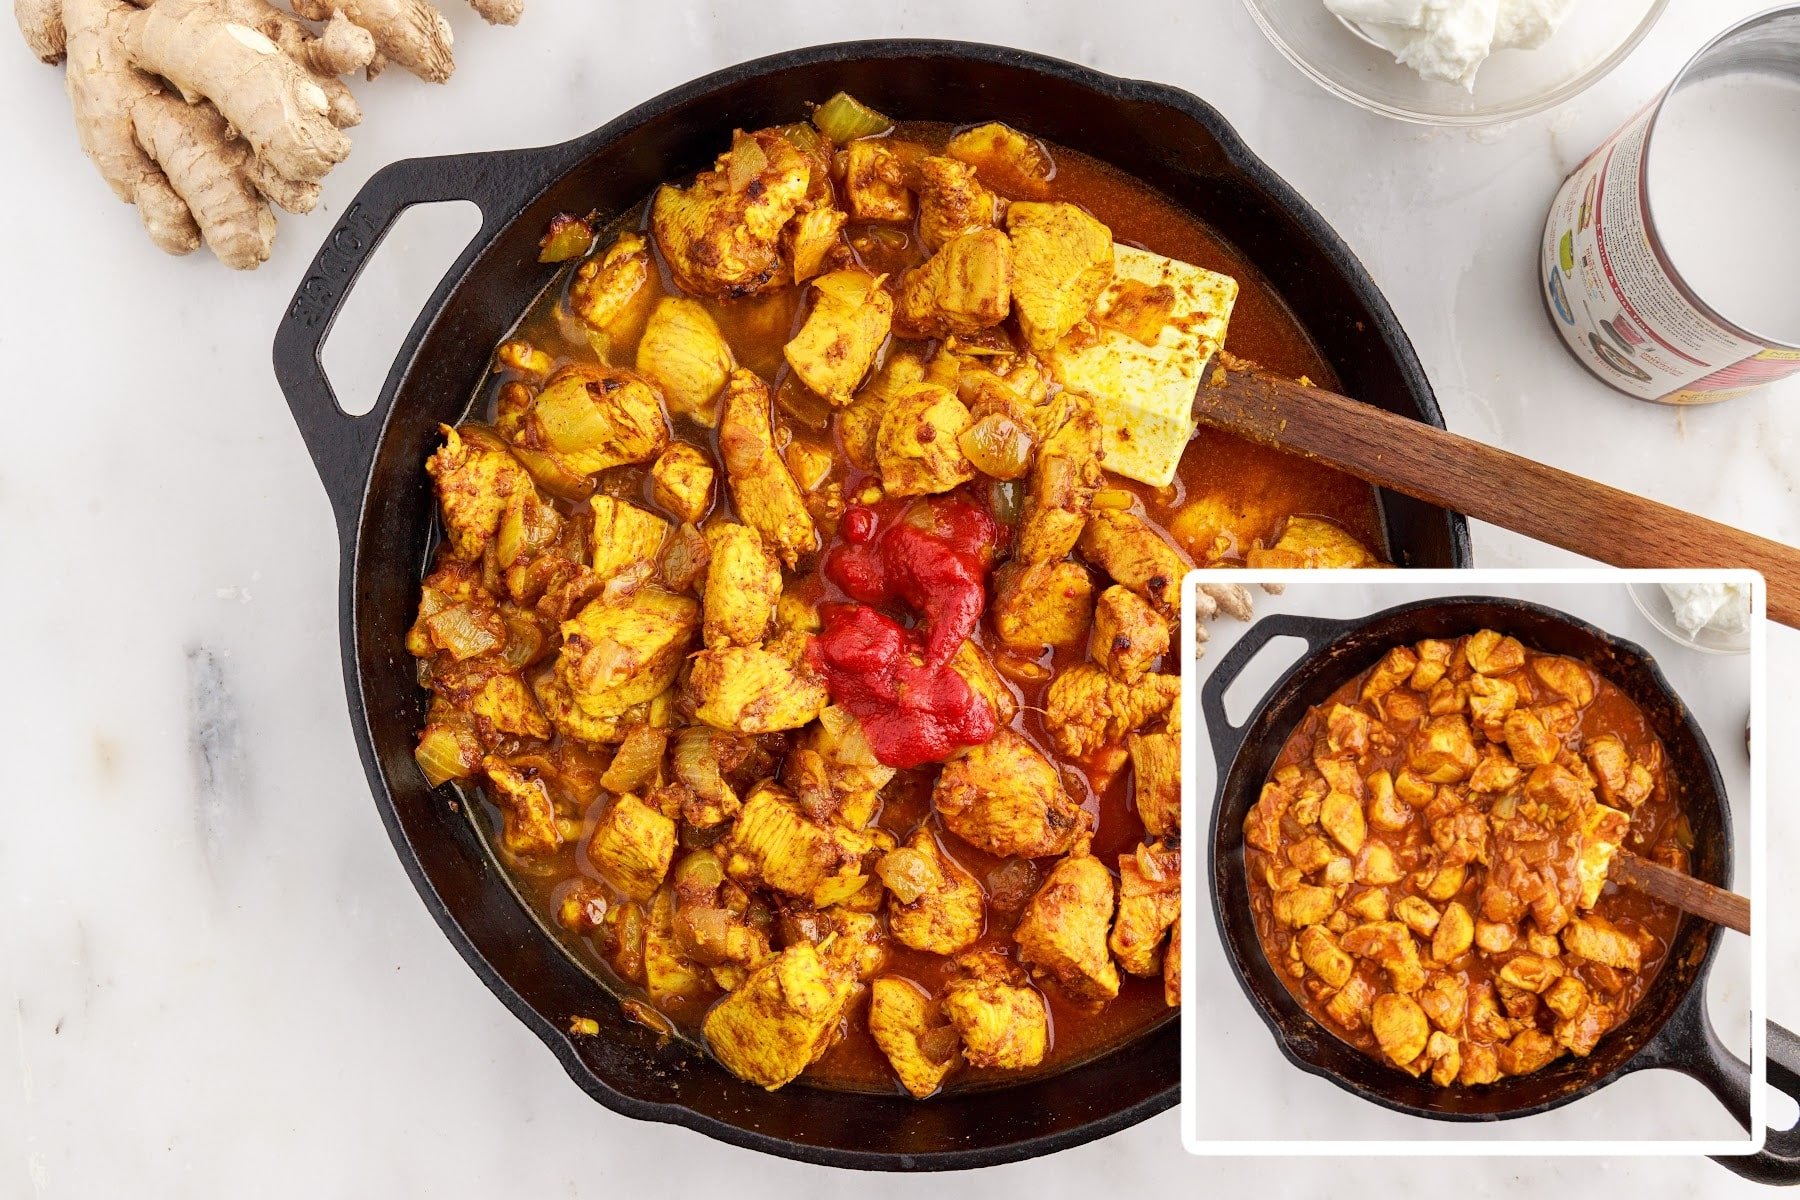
{"x": 1375, "y": 866}
{"x": 1479, "y": 1065}
{"x": 901, "y": 1022}
{"x": 1006, "y": 798}
{"x": 1149, "y": 906}
{"x": 671, "y": 976}
{"x": 1530, "y": 1050}
{"x": 474, "y": 479}
{"x": 590, "y": 418}
{"x": 1390, "y": 945}
{"x": 1490, "y": 653}
{"x": 1310, "y": 854}
{"x": 1156, "y": 781}
{"x": 681, "y": 480}
{"x": 1453, "y": 934}
{"x": 764, "y": 492}
{"x": 952, "y": 201}
{"x": 626, "y": 539}
{"x": 1597, "y": 939}
{"x": 528, "y": 816}
{"x": 498, "y": 700}
{"x": 1062, "y": 261}
{"x": 1061, "y": 489}
{"x": 1006, "y": 159}
{"x": 936, "y": 905}
{"x": 1349, "y": 1006}
{"x": 875, "y": 183}
{"x": 572, "y": 721}
{"x": 1368, "y": 904}
{"x": 1172, "y": 968}
{"x": 1003, "y": 1024}
{"x": 1530, "y": 973}
{"x": 849, "y": 321}
{"x": 782, "y": 1018}
{"x": 721, "y": 235}
{"x": 1434, "y": 659}
{"x": 1347, "y": 732}
{"x": 1417, "y": 915}
{"x": 834, "y": 772}
{"x": 743, "y": 587}
{"x": 1400, "y": 1028}
{"x": 1304, "y": 905}
{"x": 683, "y": 353}
{"x": 1039, "y": 605}
{"x": 1129, "y": 635}
{"x": 1394, "y": 669}
{"x": 1495, "y": 773}
{"x": 1127, "y": 548}
{"x": 632, "y": 847}
{"x": 1311, "y": 542}
{"x": 1445, "y": 1000}
{"x": 1263, "y": 823}
{"x": 1062, "y": 933}
{"x": 963, "y": 288}
{"x": 609, "y": 288}
{"x": 916, "y": 447}
{"x": 1529, "y": 742}
{"x": 1567, "y": 677}
{"x": 1622, "y": 782}
{"x": 984, "y": 679}
{"x": 1490, "y": 700}
{"x": 1443, "y": 751}
{"x": 756, "y": 689}
{"x": 1086, "y": 710}
{"x": 1342, "y": 817}
{"x": 1387, "y": 811}
{"x": 1447, "y": 697}
{"x": 773, "y": 844}
{"x": 619, "y": 653}
{"x": 815, "y": 242}
{"x": 1445, "y": 1056}
{"x": 1320, "y": 952}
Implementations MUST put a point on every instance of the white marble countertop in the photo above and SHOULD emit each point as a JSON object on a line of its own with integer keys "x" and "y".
{"x": 219, "y": 980}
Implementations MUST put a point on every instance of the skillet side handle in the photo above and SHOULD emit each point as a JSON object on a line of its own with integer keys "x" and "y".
{"x": 1226, "y": 737}
{"x": 343, "y": 446}
{"x": 1695, "y": 1050}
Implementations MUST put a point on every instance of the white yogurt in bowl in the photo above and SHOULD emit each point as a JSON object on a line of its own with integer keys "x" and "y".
{"x": 1448, "y": 40}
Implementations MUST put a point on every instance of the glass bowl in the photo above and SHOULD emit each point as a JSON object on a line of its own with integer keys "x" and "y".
{"x": 1654, "y": 604}
{"x": 1595, "y": 38}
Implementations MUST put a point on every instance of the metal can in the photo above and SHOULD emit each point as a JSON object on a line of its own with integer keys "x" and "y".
{"x": 1613, "y": 293}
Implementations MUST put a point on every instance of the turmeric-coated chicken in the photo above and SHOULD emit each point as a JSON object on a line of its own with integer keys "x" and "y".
{"x": 474, "y": 480}
{"x": 609, "y": 287}
{"x": 1062, "y": 261}
{"x": 632, "y": 847}
{"x": 849, "y": 320}
{"x": 590, "y": 418}
{"x": 1088, "y": 710}
{"x": 773, "y": 844}
{"x": 617, "y": 654}
{"x": 765, "y": 688}
{"x": 921, "y": 1050}
{"x": 765, "y": 493}
{"x": 782, "y": 1018}
{"x": 963, "y": 288}
{"x": 1006, "y": 798}
{"x": 1149, "y": 905}
{"x": 934, "y": 905}
{"x": 625, "y": 538}
{"x": 1042, "y": 604}
{"x": 721, "y": 235}
{"x": 1002, "y": 1020}
{"x": 952, "y": 201}
{"x": 743, "y": 586}
{"x": 1060, "y": 489}
{"x": 917, "y": 447}
{"x": 1129, "y": 634}
{"x": 683, "y": 353}
{"x": 1126, "y": 547}
{"x": 1063, "y": 932}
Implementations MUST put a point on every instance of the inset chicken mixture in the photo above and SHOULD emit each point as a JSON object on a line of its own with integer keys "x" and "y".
{"x": 1428, "y": 860}
{"x": 807, "y": 629}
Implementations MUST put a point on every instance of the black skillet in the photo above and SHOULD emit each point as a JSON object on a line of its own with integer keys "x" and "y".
{"x": 1669, "y": 1028}
{"x": 372, "y": 469}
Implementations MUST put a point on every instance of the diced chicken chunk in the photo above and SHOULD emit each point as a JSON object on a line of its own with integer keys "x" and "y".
{"x": 528, "y": 815}
{"x": 1129, "y": 635}
{"x": 963, "y": 288}
{"x": 616, "y": 654}
{"x": 782, "y": 1018}
{"x": 632, "y": 847}
{"x": 1087, "y": 710}
{"x": 1443, "y": 751}
{"x": 1322, "y": 956}
{"x": 683, "y": 353}
{"x": 1454, "y": 934}
{"x": 1568, "y": 678}
{"x": 875, "y": 183}
{"x": 588, "y": 419}
{"x": 952, "y": 201}
{"x": 1490, "y": 653}
{"x": 756, "y": 689}
{"x": 1597, "y": 939}
{"x": 671, "y": 975}
{"x": 1400, "y": 1027}
{"x": 1063, "y": 931}
{"x": 1062, "y": 261}
{"x": 1061, "y": 489}
{"x": 920, "y": 1050}
{"x": 1390, "y": 945}
{"x": 917, "y": 447}
{"x": 682, "y": 482}
{"x": 626, "y": 538}
{"x": 1003, "y": 1025}
{"x": 984, "y": 679}
{"x": 815, "y": 241}
{"x": 775, "y": 845}
{"x": 936, "y": 905}
{"x": 1341, "y": 815}
{"x": 1006, "y": 798}
{"x": 1006, "y": 159}
{"x": 1127, "y": 548}
{"x": 761, "y": 487}
{"x": 608, "y": 288}
{"x": 1038, "y": 605}
{"x": 474, "y": 482}
{"x": 1310, "y": 542}
{"x": 721, "y": 235}
{"x": 743, "y": 586}
{"x": 848, "y": 323}
{"x": 1528, "y": 741}
{"x": 1149, "y": 905}
{"x": 1156, "y": 781}
{"x": 1304, "y": 905}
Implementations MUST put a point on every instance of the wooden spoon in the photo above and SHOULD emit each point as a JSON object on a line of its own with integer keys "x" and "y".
{"x": 1489, "y": 484}
{"x": 1690, "y": 895}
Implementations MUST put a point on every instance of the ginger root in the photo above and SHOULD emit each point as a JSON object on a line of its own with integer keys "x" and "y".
{"x": 203, "y": 113}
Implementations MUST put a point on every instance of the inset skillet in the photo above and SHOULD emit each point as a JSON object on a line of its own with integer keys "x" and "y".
{"x": 1668, "y": 1029}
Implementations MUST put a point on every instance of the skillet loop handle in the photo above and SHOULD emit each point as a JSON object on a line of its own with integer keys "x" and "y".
{"x": 343, "y": 446}
{"x": 1689, "y": 1044}
{"x": 1227, "y": 737}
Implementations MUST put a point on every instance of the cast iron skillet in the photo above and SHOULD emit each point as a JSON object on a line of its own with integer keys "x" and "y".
{"x": 372, "y": 467}
{"x": 1668, "y": 1029}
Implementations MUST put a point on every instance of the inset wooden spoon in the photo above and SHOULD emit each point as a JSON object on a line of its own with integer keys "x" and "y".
{"x": 1490, "y": 484}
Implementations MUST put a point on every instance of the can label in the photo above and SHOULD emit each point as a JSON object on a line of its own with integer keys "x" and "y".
{"x": 1612, "y": 298}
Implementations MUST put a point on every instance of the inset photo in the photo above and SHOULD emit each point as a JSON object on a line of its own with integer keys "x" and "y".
{"x": 1471, "y": 863}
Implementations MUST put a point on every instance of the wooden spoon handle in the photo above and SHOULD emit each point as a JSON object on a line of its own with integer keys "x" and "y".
{"x": 1492, "y": 485}
{"x": 1680, "y": 889}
